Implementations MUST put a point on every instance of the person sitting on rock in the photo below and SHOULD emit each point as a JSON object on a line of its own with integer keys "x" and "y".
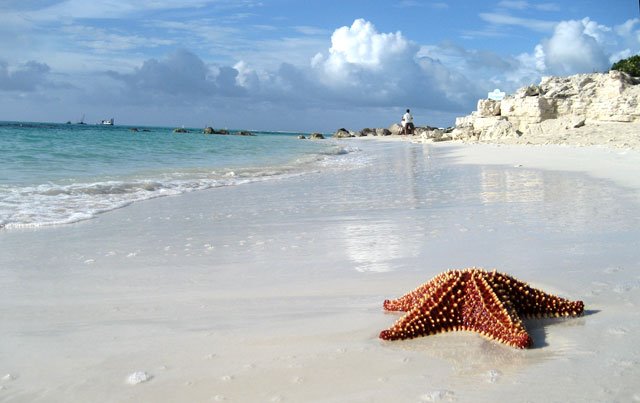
{"x": 407, "y": 123}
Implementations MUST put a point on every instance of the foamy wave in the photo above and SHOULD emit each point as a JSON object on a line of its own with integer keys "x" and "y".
{"x": 52, "y": 204}
{"x": 340, "y": 149}
{"x": 55, "y": 203}
{"x": 344, "y": 157}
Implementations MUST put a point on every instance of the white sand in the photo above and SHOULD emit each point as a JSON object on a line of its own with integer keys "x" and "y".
{"x": 273, "y": 291}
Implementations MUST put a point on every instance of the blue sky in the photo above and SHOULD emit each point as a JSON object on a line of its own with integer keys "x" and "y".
{"x": 292, "y": 65}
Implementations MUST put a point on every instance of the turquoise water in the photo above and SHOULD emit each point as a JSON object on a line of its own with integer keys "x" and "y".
{"x": 60, "y": 173}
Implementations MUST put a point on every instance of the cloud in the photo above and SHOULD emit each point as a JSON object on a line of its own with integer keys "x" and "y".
{"x": 529, "y": 23}
{"x": 102, "y": 41}
{"x": 361, "y": 67}
{"x": 369, "y": 67}
{"x": 180, "y": 76}
{"x": 126, "y": 8}
{"x": 575, "y": 47}
{"x": 524, "y": 5}
{"x": 28, "y": 77}
{"x": 359, "y": 49}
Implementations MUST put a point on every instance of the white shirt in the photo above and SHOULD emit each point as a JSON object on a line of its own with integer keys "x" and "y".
{"x": 406, "y": 118}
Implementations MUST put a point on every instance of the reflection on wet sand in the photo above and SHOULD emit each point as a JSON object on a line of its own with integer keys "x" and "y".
{"x": 555, "y": 201}
{"x": 373, "y": 245}
{"x": 426, "y": 201}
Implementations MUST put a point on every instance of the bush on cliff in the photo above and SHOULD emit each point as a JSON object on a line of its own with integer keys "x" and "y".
{"x": 630, "y": 66}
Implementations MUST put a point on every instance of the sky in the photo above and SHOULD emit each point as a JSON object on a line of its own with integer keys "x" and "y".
{"x": 291, "y": 65}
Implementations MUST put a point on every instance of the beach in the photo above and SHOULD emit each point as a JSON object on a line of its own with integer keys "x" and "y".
{"x": 272, "y": 290}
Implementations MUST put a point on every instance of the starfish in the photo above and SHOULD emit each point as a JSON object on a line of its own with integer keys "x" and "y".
{"x": 490, "y": 303}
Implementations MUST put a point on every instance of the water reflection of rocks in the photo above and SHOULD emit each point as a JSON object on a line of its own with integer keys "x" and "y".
{"x": 560, "y": 201}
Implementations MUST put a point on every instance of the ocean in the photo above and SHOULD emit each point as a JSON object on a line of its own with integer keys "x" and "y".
{"x": 52, "y": 174}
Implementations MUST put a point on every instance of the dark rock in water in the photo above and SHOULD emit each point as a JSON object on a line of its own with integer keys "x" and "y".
{"x": 133, "y": 129}
{"x": 368, "y": 132}
{"x": 342, "y": 133}
{"x": 301, "y": 137}
{"x": 146, "y": 130}
{"x": 180, "y": 130}
{"x": 316, "y": 136}
{"x": 211, "y": 130}
{"x": 382, "y": 132}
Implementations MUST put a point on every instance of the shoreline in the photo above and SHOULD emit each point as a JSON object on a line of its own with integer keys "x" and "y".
{"x": 272, "y": 291}
{"x": 599, "y": 160}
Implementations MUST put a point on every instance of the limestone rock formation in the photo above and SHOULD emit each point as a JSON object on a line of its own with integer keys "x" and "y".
{"x": 552, "y": 111}
{"x": 395, "y": 129}
{"x": 432, "y": 134}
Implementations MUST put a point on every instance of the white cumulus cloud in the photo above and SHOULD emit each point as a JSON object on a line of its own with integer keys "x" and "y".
{"x": 577, "y": 47}
{"x": 360, "y": 49}
{"x": 367, "y": 66}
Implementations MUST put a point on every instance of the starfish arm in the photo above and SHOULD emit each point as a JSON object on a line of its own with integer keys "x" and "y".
{"x": 532, "y": 302}
{"x": 492, "y": 315}
{"x": 438, "y": 312}
{"x": 406, "y": 302}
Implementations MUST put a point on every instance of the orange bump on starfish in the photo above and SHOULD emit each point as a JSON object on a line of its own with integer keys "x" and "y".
{"x": 490, "y": 303}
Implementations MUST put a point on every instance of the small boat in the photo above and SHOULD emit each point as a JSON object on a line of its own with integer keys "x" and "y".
{"x": 108, "y": 122}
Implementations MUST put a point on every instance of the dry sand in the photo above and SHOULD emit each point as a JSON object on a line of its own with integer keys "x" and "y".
{"x": 624, "y": 135}
{"x": 272, "y": 291}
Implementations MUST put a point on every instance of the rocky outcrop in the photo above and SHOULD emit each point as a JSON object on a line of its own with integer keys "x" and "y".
{"x": 422, "y": 132}
{"x": 552, "y": 111}
{"x": 433, "y": 134}
{"x": 395, "y": 129}
{"x": 211, "y": 130}
{"x": 343, "y": 133}
{"x": 371, "y": 132}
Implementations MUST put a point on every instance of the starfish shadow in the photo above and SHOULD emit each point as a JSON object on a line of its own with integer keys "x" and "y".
{"x": 537, "y": 327}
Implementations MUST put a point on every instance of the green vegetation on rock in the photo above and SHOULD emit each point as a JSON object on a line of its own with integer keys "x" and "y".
{"x": 630, "y": 66}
